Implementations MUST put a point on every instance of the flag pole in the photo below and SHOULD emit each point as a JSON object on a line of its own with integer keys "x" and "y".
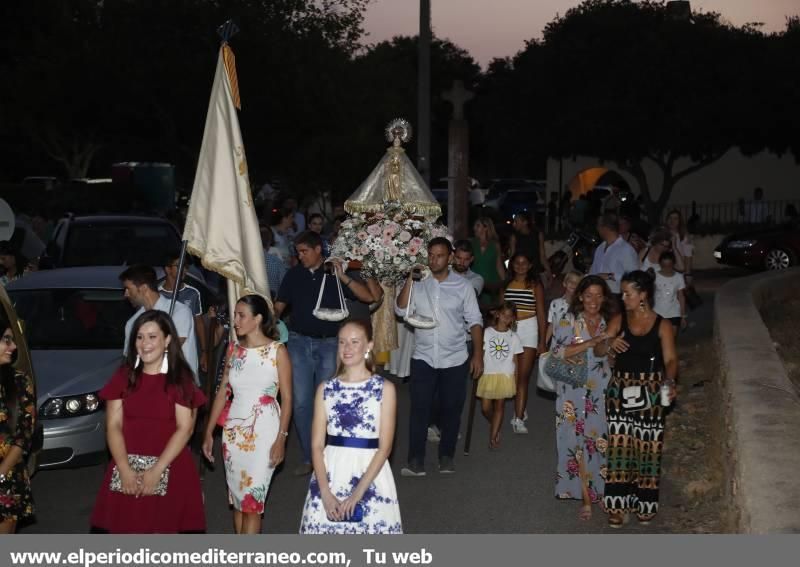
{"x": 181, "y": 263}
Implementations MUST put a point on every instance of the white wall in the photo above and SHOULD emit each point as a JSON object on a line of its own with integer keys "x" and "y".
{"x": 733, "y": 177}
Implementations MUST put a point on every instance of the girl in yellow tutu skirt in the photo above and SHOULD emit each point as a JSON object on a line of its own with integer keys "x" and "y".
{"x": 501, "y": 351}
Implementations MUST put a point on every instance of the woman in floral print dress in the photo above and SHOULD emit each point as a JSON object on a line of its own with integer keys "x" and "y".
{"x": 17, "y": 420}
{"x": 352, "y": 434}
{"x": 255, "y": 431}
{"x": 581, "y": 431}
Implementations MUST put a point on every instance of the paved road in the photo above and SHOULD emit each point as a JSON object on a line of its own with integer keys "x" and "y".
{"x": 505, "y": 491}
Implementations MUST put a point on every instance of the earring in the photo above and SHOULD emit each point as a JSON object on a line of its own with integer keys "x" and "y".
{"x": 165, "y": 363}
{"x": 641, "y": 305}
{"x": 366, "y": 355}
{"x": 137, "y": 362}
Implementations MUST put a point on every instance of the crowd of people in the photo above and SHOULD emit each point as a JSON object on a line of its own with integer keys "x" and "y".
{"x": 490, "y": 322}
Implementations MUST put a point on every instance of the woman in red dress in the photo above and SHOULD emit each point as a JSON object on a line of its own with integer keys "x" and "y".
{"x": 151, "y": 406}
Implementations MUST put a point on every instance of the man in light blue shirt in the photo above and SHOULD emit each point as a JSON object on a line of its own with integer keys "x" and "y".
{"x": 440, "y": 362}
{"x": 614, "y": 256}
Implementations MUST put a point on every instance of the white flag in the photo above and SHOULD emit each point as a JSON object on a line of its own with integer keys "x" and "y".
{"x": 221, "y": 225}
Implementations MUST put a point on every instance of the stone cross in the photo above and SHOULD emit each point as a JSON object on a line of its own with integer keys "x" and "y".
{"x": 458, "y": 96}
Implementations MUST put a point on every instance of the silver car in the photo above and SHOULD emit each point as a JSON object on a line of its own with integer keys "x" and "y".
{"x": 75, "y": 325}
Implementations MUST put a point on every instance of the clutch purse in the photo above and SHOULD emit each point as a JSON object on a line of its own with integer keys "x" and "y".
{"x": 139, "y": 464}
{"x": 357, "y": 516}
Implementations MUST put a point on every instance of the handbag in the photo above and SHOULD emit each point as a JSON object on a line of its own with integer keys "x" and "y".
{"x": 356, "y": 516}
{"x": 635, "y": 398}
{"x": 329, "y": 313}
{"x": 573, "y": 371}
{"x": 693, "y": 299}
{"x": 415, "y": 319}
{"x": 543, "y": 380}
{"x": 139, "y": 464}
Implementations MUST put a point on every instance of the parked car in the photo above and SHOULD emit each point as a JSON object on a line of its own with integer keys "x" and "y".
{"x": 113, "y": 240}
{"x": 75, "y": 327}
{"x": 512, "y": 196}
{"x": 772, "y": 248}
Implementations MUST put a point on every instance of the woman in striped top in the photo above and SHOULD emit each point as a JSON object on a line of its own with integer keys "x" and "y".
{"x": 524, "y": 289}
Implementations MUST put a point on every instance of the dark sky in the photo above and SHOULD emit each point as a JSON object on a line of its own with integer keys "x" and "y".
{"x": 497, "y": 28}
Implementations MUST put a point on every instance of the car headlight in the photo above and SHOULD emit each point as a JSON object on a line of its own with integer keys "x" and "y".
{"x": 741, "y": 243}
{"x": 71, "y": 406}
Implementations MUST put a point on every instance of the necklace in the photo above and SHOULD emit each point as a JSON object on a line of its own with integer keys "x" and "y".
{"x": 592, "y": 325}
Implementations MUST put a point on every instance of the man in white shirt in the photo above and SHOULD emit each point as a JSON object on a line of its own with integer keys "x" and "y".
{"x": 440, "y": 362}
{"x": 141, "y": 289}
{"x": 614, "y": 256}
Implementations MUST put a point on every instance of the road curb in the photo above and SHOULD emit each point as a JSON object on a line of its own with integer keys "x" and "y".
{"x": 763, "y": 413}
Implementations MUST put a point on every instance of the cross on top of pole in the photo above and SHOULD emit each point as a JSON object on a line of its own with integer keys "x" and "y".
{"x": 458, "y": 96}
{"x": 227, "y": 30}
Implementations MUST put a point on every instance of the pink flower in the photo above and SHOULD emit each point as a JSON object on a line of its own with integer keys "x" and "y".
{"x": 363, "y": 250}
{"x": 572, "y": 467}
{"x": 593, "y": 497}
{"x": 416, "y": 242}
{"x": 374, "y": 229}
{"x": 588, "y": 406}
{"x": 413, "y": 250}
{"x": 579, "y": 427}
{"x": 389, "y": 230}
{"x": 362, "y": 235}
{"x": 393, "y": 251}
{"x": 379, "y": 255}
{"x": 266, "y": 400}
{"x": 590, "y": 446}
{"x": 405, "y": 236}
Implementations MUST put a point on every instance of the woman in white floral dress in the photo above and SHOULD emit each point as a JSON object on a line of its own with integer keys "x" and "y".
{"x": 352, "y": 434}
{"x": 581, "y": 430}
{"x": 256, "y": 427}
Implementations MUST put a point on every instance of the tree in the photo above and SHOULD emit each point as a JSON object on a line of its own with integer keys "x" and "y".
{"x": 98, "y": 81}
{"x": 626, "y": 82}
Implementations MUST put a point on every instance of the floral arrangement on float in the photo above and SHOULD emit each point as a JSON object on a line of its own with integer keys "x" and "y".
{"x": 392, "y": 217}
{"x": 386, "y": 245}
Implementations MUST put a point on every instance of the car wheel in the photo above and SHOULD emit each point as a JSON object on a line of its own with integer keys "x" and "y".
{"x": 778, "y": 259}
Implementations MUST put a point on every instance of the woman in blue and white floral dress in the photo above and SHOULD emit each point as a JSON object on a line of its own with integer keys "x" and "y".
{"x": 355, "y": 411}
{"x": 581, "y": 430}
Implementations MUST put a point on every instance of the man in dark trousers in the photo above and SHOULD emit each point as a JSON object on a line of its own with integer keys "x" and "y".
{"x": 440, "y": 362}
{"x": 312, "y": 342}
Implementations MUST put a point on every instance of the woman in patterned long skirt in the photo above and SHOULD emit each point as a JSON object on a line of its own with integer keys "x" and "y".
{"x": 355, "y": 410}
{"x": 255, "y": 431}
{"x": 581, "y": 436}
{"x": 645, "y": 359}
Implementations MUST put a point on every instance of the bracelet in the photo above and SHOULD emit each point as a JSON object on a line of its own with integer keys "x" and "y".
{"x": 284, "y": 433}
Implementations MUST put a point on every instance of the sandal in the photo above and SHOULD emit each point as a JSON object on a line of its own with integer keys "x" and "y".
{"x": 617, "y": 519}
{"x": 645, "y": 519}
{"x": 585, "y": 513}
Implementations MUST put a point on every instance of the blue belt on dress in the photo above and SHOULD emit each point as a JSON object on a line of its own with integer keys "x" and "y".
{"x": 353, "y": 442}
